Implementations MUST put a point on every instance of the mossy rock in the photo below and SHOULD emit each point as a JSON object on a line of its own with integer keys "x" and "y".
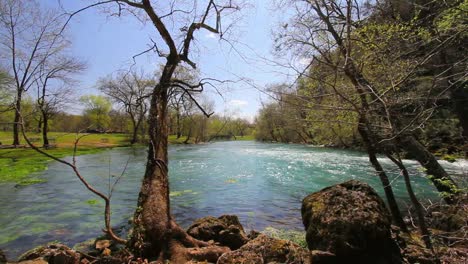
{"x": 52, "y": 253}
{"x": 265, "y": 249}
{"x": 350, "y": 221}
{"x": 227, "y": 230}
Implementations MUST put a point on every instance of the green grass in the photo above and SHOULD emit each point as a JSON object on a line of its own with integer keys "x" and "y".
{"x": 68, "y": 139}
{"x": 19, "y": 165}
{"x": 245, "y": 138}
{"x": 174, "y": 140}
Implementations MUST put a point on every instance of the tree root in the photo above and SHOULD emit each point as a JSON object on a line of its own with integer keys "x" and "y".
{"x": 184, "y": 248}
{"x": 180, "y": 247}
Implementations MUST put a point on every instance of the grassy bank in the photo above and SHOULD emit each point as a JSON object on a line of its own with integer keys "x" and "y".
{"x": 18, "y": 165}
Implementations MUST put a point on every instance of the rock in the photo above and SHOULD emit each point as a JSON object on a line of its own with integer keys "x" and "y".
{"x": 323, "y": 257}
{"x": 106, "y": 252}
{"x": 449, "y": 218}
{"x": 3, "y": 258}
{"x": 350, "y": 221}
{"x": 102, "y": 244}
{"x": 225, "y": 230}
{"x": 87, "y": 247}
{"x": 264, "y": 249}
{"x": 111, "y": 260}
{"x": 51, "y": 253}
{"x": 34, "y": 261}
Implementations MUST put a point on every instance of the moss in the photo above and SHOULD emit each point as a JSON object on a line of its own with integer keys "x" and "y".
{"x": 39, "y": 228}
{"x": 92, "y": 201}
{"x": 279, "y": 245}
{"x": 179, "y": 193}
{"x": 297, "y": 237}
{"x": 318, "y": 206}
{"x": 17, "y": 165}
{"x": 449, "y": 158}
{"x": 8, "y": 238}
{"x": 231, "y": 180}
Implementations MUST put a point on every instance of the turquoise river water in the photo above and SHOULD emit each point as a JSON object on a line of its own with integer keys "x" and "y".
{"x": 261, "y": 183}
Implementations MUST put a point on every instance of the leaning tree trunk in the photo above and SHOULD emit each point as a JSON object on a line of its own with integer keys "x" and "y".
{"x": 426, "y": 234}
{"x": 152, "y": 219}
{"x": 372, "y": 153}
{"x": 356, "y": 77}
{"x": 439, "y": 177}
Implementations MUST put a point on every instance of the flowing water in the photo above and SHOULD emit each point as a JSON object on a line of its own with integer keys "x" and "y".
{"x": 261, "y": 183}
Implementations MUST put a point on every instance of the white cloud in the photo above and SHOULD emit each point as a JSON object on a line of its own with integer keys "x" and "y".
{"x": 238, "y": 103}
{"x": 211, "y": 35}
{"x": 304, "y": 61}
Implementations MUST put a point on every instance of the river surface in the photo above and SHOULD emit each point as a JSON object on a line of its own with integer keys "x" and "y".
{"x": 261, "y": 183}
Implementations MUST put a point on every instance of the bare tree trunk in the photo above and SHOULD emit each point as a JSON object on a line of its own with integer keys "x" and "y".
{"x": 39, "y": 124}
{"x": 178, "y": 132}
{"x": 371, "y": 151}
{"x": 460, "y": 96}
{"x": 45, "y": 130}
{"x": 16, "y": 122}
{"x": 188, "y": 136}
{"x": 439, "y": 177}
{"x": 134, "y": 130}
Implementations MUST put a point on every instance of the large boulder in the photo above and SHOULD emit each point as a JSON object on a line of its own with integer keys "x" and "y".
{"x": 264, "y": 249}
{"x": 51, "y": 253}
{"x": 225, "y": 230}
{"x": 351, "y": 222}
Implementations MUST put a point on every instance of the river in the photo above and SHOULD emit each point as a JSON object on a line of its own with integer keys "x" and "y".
{"x": 261, "y": 183}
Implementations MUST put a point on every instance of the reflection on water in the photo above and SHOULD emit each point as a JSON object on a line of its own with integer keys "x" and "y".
{"x": 261, "y": 183}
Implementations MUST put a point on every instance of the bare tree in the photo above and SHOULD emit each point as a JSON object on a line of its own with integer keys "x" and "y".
{"x": 155, "y": 233}
{"x": 29, "y": 37}
{"x": 53, "y": 81}
{"x": 130, "y": 90}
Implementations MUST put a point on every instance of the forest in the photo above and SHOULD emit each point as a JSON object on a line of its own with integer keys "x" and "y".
{"x": 358, "y": 155}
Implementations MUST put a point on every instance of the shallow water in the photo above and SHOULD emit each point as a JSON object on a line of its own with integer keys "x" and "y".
{"x": 261, "y": 183}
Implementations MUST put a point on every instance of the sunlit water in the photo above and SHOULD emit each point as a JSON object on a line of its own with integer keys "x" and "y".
{"x": 261, "y": 183}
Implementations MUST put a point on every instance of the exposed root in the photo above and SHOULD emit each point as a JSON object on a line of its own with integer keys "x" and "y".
{"x": 181, "y": 254}
{"x": 183, "y": 248}
{"x": 181, "y": 235}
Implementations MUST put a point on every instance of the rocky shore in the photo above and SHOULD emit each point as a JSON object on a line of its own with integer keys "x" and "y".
{"x": 344, "y": 223}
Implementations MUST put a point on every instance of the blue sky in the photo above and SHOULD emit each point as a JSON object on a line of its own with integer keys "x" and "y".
{"x": 108, "y": 43}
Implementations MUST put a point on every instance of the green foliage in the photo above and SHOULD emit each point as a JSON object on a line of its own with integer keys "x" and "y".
{"x": 96, "y": 111}
{"x": 454, "y": 19}
{"x": 447, "y": 183}
{"x": 450, "y": 158}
